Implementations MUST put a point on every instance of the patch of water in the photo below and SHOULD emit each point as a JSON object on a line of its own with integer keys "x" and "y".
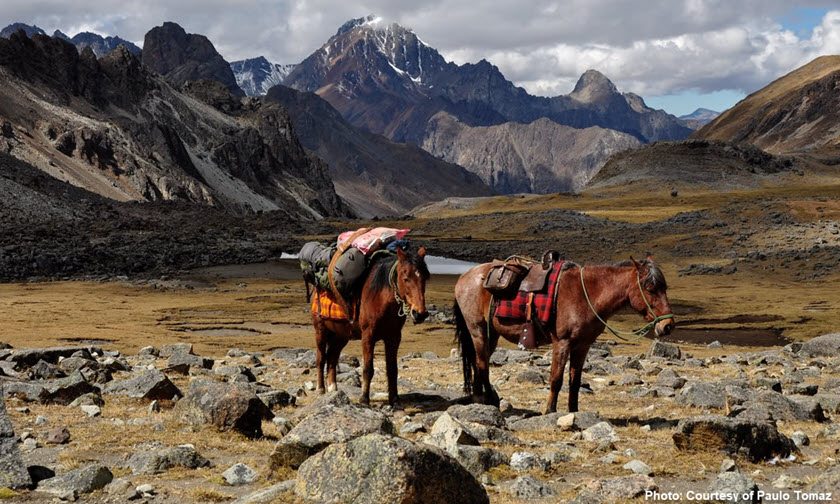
{"x": 438, "y": 265}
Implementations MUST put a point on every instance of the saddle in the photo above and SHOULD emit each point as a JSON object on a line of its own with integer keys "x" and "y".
{"x": 520, "y": 274}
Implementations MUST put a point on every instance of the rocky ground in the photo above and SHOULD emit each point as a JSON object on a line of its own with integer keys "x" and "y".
{"x": 165, "y": 425}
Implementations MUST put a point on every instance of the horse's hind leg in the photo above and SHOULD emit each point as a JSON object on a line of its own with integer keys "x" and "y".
{"x": 392, "y": 346}
{"x": 333, "y": 354}
{"x": 482, "y": 379}
{"x": 559, "y": 356}
{"x": 578, "y": 357}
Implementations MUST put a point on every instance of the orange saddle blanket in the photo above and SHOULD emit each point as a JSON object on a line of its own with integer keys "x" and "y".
{"x": 324, "y": 305}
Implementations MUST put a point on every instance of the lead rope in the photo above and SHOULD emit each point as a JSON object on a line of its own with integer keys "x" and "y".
{"x": 404, "y": 307}
{"x": 637, "y": 333}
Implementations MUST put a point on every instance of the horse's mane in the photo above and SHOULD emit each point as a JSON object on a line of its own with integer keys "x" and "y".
{"x": 654, "y": 279}
{"x": 381, "y": 269}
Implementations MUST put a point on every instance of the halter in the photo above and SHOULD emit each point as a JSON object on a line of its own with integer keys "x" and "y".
{"x": 404, "y": 306}
{"x": 636, "y": 333}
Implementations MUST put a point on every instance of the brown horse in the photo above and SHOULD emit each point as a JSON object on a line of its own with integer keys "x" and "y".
{"x": 574, "y": 327}
{"x": 394, "y": 288}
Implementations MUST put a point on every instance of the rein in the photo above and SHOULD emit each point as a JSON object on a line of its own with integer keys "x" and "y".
{"x": 635, "y": 334}
{"x": 404, "y": 306}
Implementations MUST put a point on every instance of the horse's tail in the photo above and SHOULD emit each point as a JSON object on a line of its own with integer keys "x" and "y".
{"x": 465, "y": 342}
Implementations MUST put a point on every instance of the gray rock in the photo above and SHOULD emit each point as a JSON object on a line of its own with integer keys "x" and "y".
{"x": 289, "y": 354}
{"x": 478, "y": 459}
{"x": 630, "y": 379}
{"x": 733, "y": 484}
{"x": 587, "y": 497}
{"x": 448, "y": 432}
{"x": 601, "y": 431}
{"x": 188, "y": 359}
{"x": 175, "y": 348}
{"x": 624, "y": 487}
{"x": 149, "y": 350}
{"x": 77, "y": 482}
{"x": 808, "y": 389}
{"x": 336, "y": 420}
{"x": 30, "y": 356}
{"x": 702, "y": 395}
{"x": 235, "y": 371}
{"x": 91, "y": 399}
{"x": 827, "y": 345}
{"x": 638, "y": 467}
{"x": 267, "y": 495}
{"x": 159, "y": 461}
{"x": 483, "y": 414}
{"x": 91, "y": 410}
{"x": 57, "y": 436}
{"x": 150, "y": 385}
{"x": 537, "y": 423}
{"x": 528, "y": 487}
{"x": 227, "y": 406}
{"x": 531, "y": 375}
{"x": 578, "y": 421}
{"x": 13, "y": 473}
{"x": 799, "y": 438}
{"x": 790, "y": 408}
{"x": 277, "y": 399}
{"x": 758, "y": 441}
{"x": 714, "y": 345}
{"x": 665, "y": 350}
{"x": 43, "y": 370}
{"x": 525, "y": 461}
{"x": 378, "y": 468}
{"x": 239, "y": 474}
{"x": 412, "y": 428}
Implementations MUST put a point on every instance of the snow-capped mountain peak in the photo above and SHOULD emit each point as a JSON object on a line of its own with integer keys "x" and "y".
{"x": 257, "y": 75}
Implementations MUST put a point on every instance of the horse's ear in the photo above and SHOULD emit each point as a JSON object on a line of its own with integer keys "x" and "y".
{"x": 635, "y": 264}
{"x": 422, "y": 252}
{"x": 649, "y": 257}
{"x": 401, "y": 255}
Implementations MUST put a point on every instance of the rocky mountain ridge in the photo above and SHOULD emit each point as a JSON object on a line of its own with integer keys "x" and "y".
{"x": 256, "y": 76}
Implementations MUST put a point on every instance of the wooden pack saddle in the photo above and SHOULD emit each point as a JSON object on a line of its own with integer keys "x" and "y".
{"x": 520, "y": 274}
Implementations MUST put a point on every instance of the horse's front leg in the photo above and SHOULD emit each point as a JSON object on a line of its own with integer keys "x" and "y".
{"x": 559, "y": 356}
{"x": 367, "y": 372}
{"x": 392, "y": 346}
{"x": 578, "y": 357}
{"x": 321, "y": 338}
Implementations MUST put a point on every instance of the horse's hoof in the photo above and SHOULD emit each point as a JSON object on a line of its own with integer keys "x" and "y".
{"x": 322, "y": 391}
{"x": 364, "y": 401}
{"x": 396, "y": 406}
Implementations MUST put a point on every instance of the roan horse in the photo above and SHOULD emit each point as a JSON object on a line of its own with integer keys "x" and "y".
{"x": 574, "y": 327}
{"x": 395, "y": 287}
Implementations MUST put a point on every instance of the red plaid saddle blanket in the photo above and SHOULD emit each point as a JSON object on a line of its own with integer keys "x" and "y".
{"x": 516, "y": 305}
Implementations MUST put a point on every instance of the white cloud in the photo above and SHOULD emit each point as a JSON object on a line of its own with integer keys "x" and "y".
{"x": 652, "y": 48}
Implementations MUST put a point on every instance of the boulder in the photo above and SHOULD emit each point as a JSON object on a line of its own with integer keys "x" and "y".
{"x": 43, "y": 370}
{"x": 172, "y": 349}
{"x": 483, "y": 414}
{"x": 638, "y": 467}
{"x": 13, "y": 473}
{"x": 277, "y": 399}
{"x": 268, "y": 494}
{"x": 537, "y": 423}
{"x": 188, "y": 359}
{"x": 827, "y": 345}
{"x": 227, "y": 406}
{"x": 239, "y": 474}
{"x": 664, "y": 350}
{"x": 733, "y": 484}
{"x": 528, "y": 487}
{"x": 64, "y": 390}
{"x": 702, "y": 395}
{"x": 578, "y": 421}
{"x": 448, "y": 432}
{"x": 525, "y": 461}
{"x": 378, "y": 468}
{"x": 335, "y": 421}
{"x": 601, "y": 431}
{"x": 151, "y": 385}
{"x": 159, "y": 461}
{"x": 30, "y": 356}
{"x": 758, "y": 441}
{"x": 624, "y": 487}
{"x": 531, "y": 375}
{"x": 787, "y": 408}
{"x": 70, "y": 485}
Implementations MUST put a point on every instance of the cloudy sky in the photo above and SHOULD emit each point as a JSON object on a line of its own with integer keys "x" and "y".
{"x": 679, "y": 55}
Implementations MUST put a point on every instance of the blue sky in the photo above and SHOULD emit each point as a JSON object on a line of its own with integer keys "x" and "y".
{"x": 801, "y": 21}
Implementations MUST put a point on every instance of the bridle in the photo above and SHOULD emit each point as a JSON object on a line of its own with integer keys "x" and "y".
{"x": 404, "y": 306}
{"x": 636, "y": 334}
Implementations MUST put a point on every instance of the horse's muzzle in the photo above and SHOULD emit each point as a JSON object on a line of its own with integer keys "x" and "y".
{"x": 419, "y": 317}
{"x": 664, "y": 327}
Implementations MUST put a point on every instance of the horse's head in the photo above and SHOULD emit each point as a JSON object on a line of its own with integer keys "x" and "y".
{"x": 412, "y": 274}
{"x": 651, "y": 300}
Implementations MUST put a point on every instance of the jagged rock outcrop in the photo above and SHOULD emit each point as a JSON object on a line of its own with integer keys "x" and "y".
{"x": 115, "y": 128}
{"x": 181, "y": 57}
{"x": 99, "y": 45}
{"x": 540, "y": 157}
{"x": 29, "y": 30}
{"x": 372, "y": 174}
